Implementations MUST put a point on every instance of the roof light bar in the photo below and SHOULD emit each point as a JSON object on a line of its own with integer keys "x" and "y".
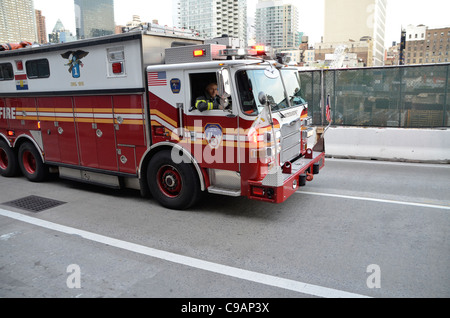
{"x": 253, "y": 51}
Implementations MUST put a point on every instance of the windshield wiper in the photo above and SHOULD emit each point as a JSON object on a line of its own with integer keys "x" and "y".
{"x": 275, "y": 107}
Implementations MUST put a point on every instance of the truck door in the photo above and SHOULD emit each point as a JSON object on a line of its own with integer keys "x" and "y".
{"x": 213, "y": 133}
{"x": 95, "y": 129}
{"x": 130, "y": 131}
{"x": 58, "y": 129}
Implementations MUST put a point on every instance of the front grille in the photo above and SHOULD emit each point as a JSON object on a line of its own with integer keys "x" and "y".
{"x": 290, "y": 141}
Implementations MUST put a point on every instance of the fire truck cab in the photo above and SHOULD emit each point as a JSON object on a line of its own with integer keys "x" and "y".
{"x": 121, "y": 111}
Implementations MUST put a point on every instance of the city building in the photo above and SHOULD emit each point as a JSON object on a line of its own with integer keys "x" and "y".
{"x": 426, "y": 46}
{"x": 94, "y": 18}
{"x": 347, "y": 20}
{"x": 213, "y": 18}
{"x": 40, "y": 27}
{"x": 363, "y": 50}
{"x": 17, "y": 21}
{"x": 276, "y": 25}
{"x": 309, "y": 56}
{"x": 392, "y": 55}
{"x": 60, "y": 34}
{"x": 293, "y": 56}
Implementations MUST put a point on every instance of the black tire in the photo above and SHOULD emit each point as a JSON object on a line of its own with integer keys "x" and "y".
{"x": 174, "y": 186}
{"x": 8, "y": 161}
{"x": 31, "y": 164}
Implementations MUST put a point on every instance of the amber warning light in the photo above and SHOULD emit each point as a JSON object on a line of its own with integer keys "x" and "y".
{"x": 198, "y": 53}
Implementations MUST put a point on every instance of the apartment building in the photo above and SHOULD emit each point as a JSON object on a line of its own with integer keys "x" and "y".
{"x": 17, "y": 21}
{"x": 213, "y": 18}
{"x": 40, "y": 27}
{"x": 426, "y": 46}
{"x": 276, "y": 25}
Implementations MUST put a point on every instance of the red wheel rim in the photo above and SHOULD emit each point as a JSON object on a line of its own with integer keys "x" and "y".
{"x": 3, "y": 159}
{"x": 169, "y": 181}
{"x": 29, "y": 162}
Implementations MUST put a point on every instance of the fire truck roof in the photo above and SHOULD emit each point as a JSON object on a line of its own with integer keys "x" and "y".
{"x": 212, "y": 64}
{"x": 108, "y": 39}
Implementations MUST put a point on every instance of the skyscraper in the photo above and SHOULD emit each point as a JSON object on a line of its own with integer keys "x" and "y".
{"x": 276, "y": 24}
{"x": 355, "y": 19}
{"x": 60, "y": 34}
{"x": 17, "y": 21}
{"x": 213, "y": 18}
{"x": 94, "y": 18}
{"x": 40, "y": 27}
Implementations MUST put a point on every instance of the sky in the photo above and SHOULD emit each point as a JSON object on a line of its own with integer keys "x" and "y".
{"x": 400, "y": 13}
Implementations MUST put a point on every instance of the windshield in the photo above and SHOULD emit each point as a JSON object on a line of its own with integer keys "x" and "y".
{"x": 291, "y": 80}
{"x": 252, "y": 82}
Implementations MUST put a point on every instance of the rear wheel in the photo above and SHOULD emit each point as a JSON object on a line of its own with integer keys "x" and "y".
{"x": 8, "y": 160}
{"x": 175, "y": 186}
{"x": 31, "y": 164}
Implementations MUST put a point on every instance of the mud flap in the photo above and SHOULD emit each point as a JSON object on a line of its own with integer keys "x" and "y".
{"x": 320, "y": 145}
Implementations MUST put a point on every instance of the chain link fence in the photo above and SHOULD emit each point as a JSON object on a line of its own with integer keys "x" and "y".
{"x": 399, "y": 96}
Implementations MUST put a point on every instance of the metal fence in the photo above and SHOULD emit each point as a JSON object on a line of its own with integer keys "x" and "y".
{"x": 398, "y": 96}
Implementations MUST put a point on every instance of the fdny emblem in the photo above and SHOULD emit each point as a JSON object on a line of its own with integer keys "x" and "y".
{"x": 175, "y": 85}
{"x": 75, "y": 62}
{"x": 213, "y": 134}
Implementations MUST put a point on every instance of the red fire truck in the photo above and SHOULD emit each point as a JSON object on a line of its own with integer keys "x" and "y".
{"x": 119, "y": 111}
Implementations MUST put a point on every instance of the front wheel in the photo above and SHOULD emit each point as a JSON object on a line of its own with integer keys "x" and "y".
{"x": 175, "y": 186}
{"x": 31, "y": 164}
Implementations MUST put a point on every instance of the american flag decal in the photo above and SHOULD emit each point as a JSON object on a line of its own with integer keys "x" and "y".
{"x": 157, "y": 79}
{"x": 328, "y": 111}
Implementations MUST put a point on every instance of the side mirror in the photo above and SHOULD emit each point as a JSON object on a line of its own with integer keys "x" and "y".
{"x": 223, "y": 83}
{"x": 262, "y": 97}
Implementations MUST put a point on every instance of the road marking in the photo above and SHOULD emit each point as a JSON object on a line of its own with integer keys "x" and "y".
{"x": 256, "y": 277}
{"x": 394, "y": 163}
{"x": 423, "y": 205}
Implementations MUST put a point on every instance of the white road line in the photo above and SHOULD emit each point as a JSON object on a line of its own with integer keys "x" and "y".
{"x": 423, "y": 205}
{"x": 269, "y": 280}
{"x": 392, "y": 163}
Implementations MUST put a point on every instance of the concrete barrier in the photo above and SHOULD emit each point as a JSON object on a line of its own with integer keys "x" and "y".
{"x": 396, "y": 144}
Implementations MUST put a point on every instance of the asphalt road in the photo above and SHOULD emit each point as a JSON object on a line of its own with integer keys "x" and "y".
{"x": 360, "y": 228}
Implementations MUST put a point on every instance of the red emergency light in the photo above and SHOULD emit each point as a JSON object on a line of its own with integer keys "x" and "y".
{"x": 117, "y": 68}
{"x": 260, "y": 49}
{"x": 198, "y": 53}
{"x": 19, "y": 65}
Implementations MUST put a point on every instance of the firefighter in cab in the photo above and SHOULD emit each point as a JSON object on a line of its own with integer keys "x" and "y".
{"x": 210, "y": 100}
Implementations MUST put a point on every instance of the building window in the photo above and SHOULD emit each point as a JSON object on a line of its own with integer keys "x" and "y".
{"x": 38, "y": 68}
